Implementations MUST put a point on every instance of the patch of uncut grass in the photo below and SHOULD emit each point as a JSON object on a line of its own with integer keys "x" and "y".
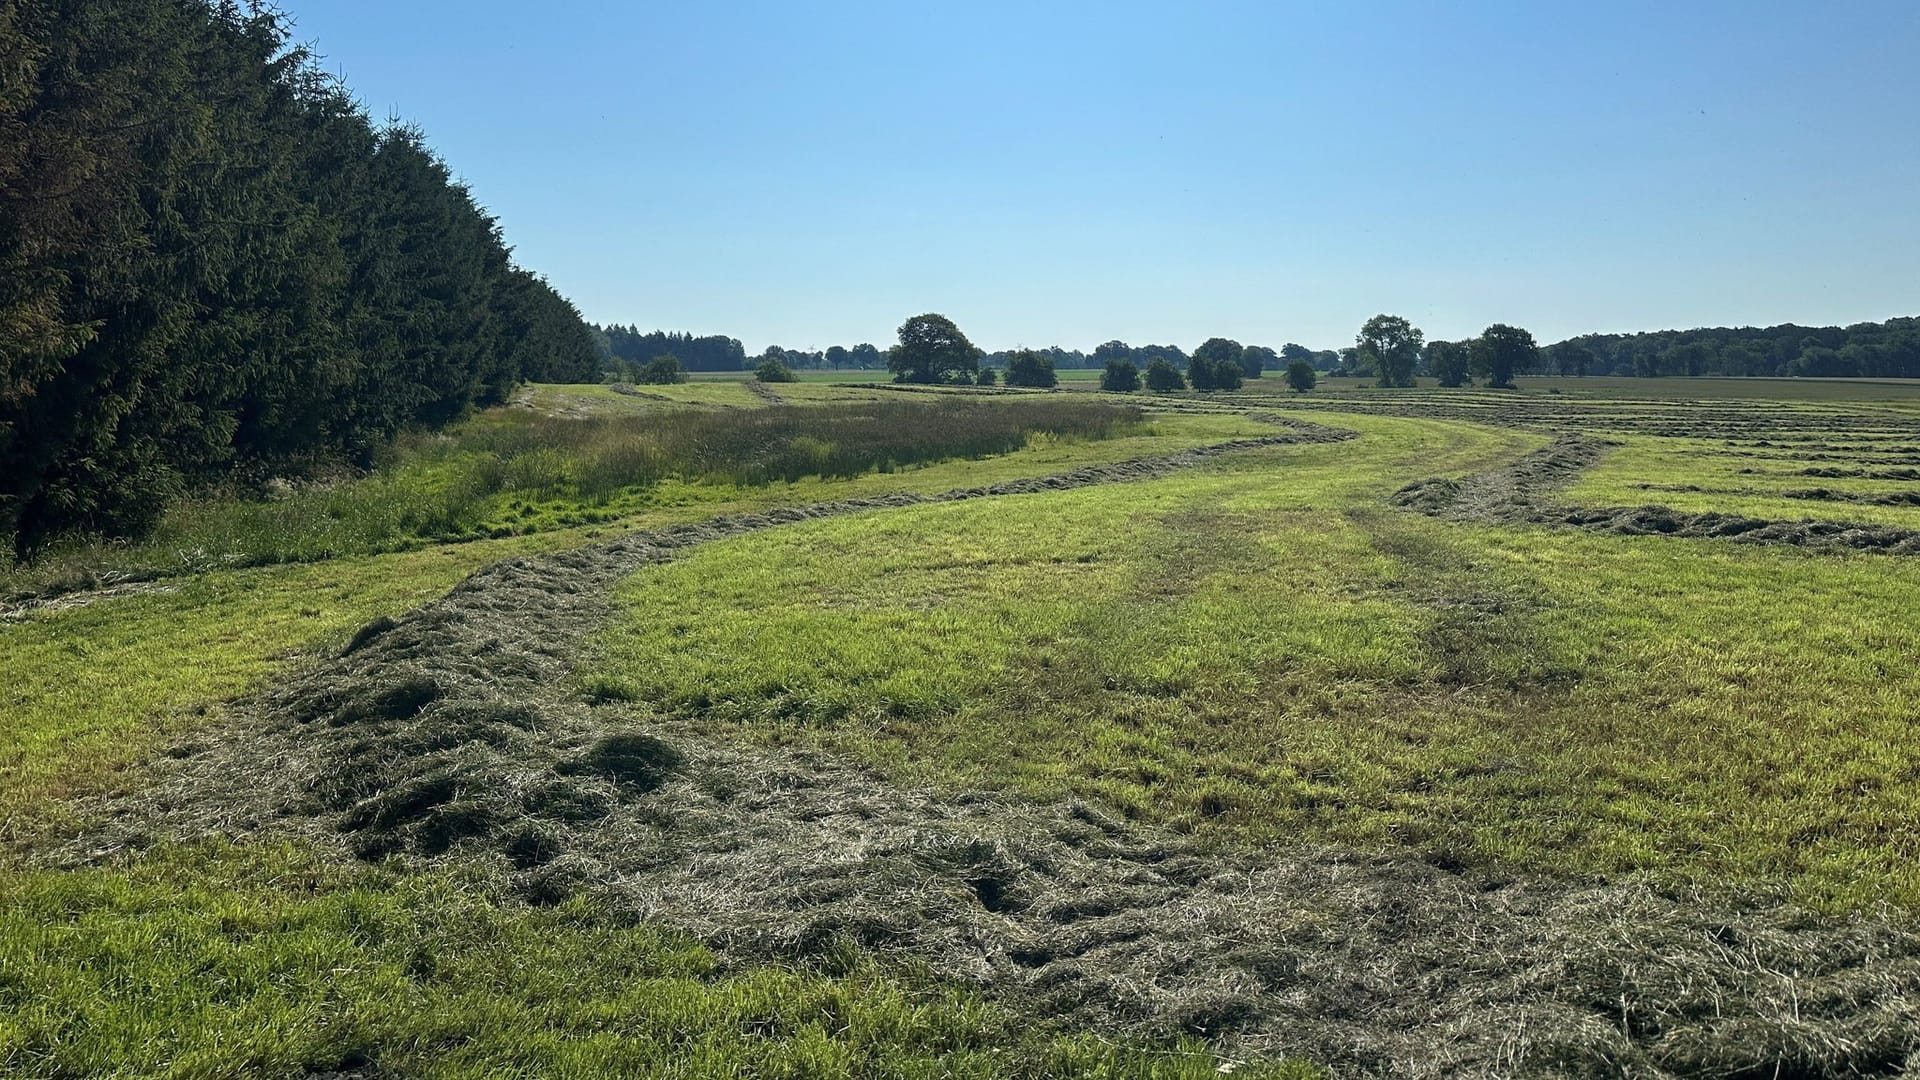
{"x": 572, "y": 458}
{"x": 728, "y": 393}
{"x": 262, "y": 961}
{"x": 1265, "y": 651}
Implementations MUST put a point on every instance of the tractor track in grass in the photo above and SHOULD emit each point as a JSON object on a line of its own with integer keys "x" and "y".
{"x": 1522, "y": 494}
{"x": 455, "y": 732}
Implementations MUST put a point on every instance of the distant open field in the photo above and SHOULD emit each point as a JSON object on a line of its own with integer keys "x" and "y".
{"x": 1796, "y": 389}
{"x": 850, "y": 375}
{"x": 862, "y": 732}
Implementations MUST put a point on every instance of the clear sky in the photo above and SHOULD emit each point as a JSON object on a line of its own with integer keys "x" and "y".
{"x": 808, "y": 174}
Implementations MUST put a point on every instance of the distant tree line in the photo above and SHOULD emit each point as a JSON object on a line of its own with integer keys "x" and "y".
{"x": 862, "y": 357}
{"x": 623, "y": 346}
{"x": 211, "y": 261}
{"x": 1056, "y": 357}
{"x": 1395, "y": 353}
{"x": 713, "y": 352}
{"x": 1882, "y": 350}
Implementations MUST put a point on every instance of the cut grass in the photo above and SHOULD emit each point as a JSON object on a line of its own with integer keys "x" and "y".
{"x": 256, "y": 961}
{"x": 1665, "y": 389}
{"x": 91, "y": 688}
{"x": 1257, "y": 651}
{"x": 1267, "y": 652}
{"x": 253, "y": 961}
{"x": 717, "y": 393}
{"x": 1664, "y": 470}
{"x": 1595, "y": 386}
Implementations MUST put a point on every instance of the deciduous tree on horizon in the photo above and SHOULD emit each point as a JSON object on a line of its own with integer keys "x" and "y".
{"x": 1501, "y": 350}
{"x": 1213, "y": 353}
{"x": 1447, "y": 360}
{"x": 1120, "y": 377}
{"x": 933, "y": 350}
{"x": 1393, "y": 344}
{"x": 1164, "y": 378}
{"x": 1028, "y": 367}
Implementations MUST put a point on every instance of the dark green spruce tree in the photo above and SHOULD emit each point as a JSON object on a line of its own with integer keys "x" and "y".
{"x": 212, "y": 262}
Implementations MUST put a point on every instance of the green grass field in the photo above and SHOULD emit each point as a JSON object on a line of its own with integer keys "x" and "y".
{"x": 266, "y": 961}
{"x": 1265, "y": 652}
{"x": 574, "y": 457}
{"x": 1599, "y": 386}
{"x": 1259, "y": 651}
{"x": 257, "y": 960}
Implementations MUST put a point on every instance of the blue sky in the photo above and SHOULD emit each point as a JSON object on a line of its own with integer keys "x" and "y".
{"x": 1052, "y": 173}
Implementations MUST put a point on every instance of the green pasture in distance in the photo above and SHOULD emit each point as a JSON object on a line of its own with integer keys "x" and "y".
{"x": 850, "y": 375}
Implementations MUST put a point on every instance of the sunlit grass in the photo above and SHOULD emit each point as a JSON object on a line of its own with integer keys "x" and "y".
{"x": 1266, "y": 652}
{"x": 1260, "y": 650}
{"x": 1647, "y": 470}
{"x": 90, "y": 689}
{"x": 261, "y": 961}
{"x": 572, "y": 457}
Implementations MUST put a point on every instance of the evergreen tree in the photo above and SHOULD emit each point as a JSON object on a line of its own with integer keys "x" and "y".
{"x": 211, "y": 260}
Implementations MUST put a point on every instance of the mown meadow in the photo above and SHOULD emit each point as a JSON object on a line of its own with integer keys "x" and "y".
{"x": 266, "y": 961}
{"x": 1256, "y": 651}
{"x": 1266, "y": 652}
{"x": 264, "y": 958}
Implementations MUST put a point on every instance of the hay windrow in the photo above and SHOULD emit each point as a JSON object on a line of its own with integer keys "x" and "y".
{"x": 451, "y": 733}
{"x": 80, "y": 595}
{"x": 765, "y": 393}
{"x": 1521, "y": 494}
